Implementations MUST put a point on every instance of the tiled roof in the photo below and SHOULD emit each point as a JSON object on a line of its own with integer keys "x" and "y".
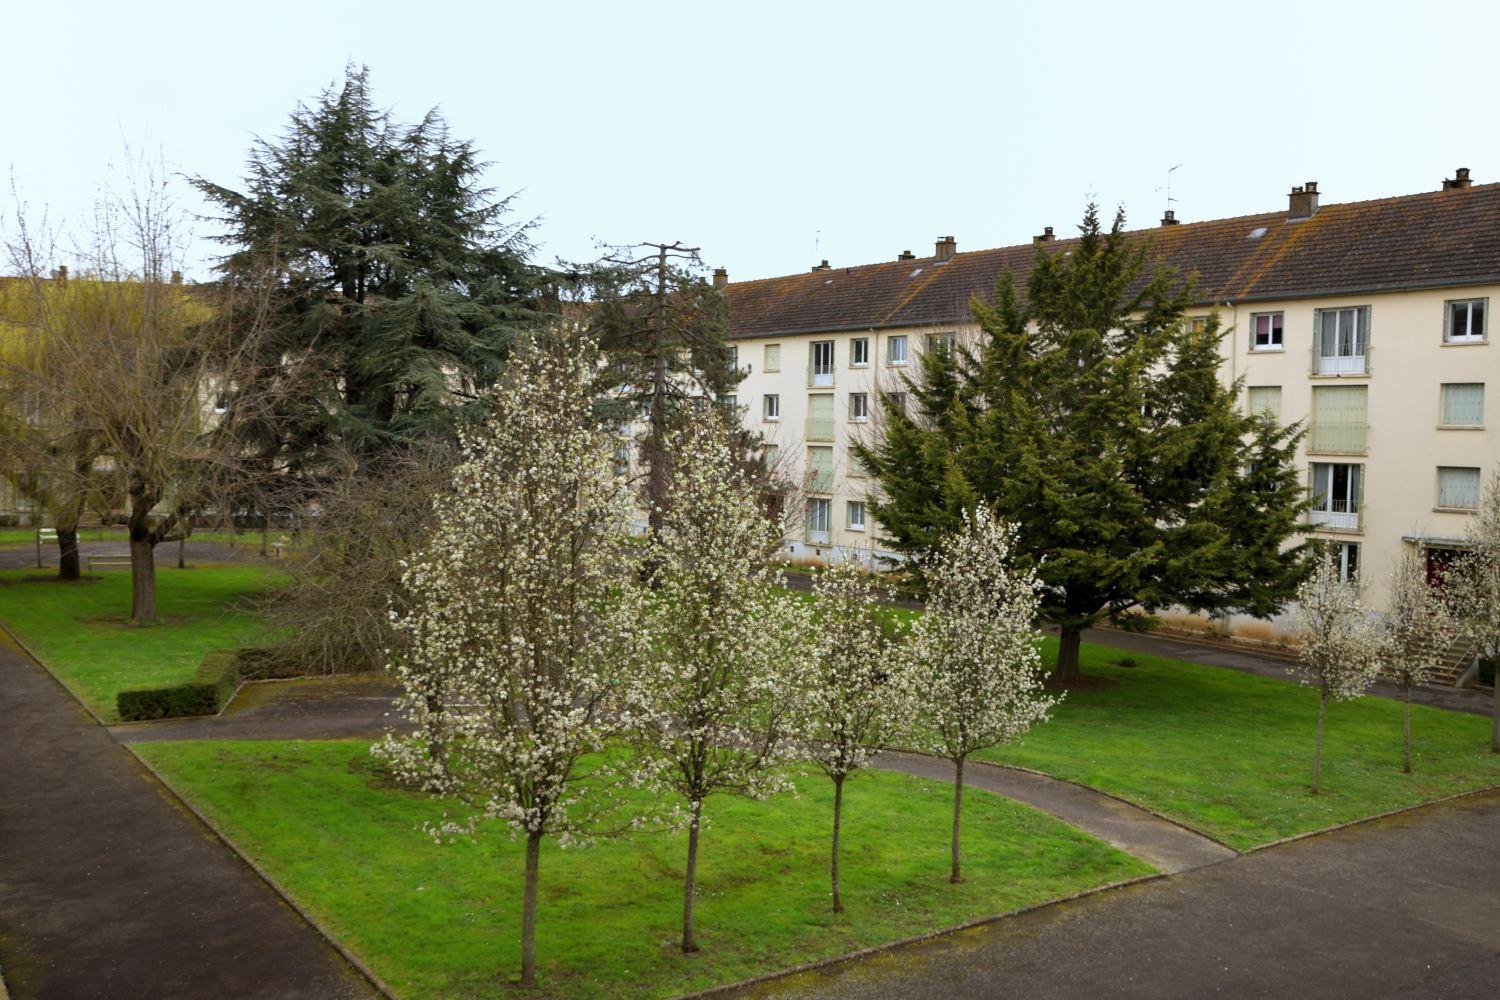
{"x": 1430, "y": 240}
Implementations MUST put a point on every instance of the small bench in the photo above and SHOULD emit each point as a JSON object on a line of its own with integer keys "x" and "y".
{"x": 95, "y": 562}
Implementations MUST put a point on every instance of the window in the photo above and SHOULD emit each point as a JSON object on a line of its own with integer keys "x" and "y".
{"x": 1265, "y": 332}
{"x": 940, "y": 343}
{"x": 772, "y": 406}
{"x": 895, "y": 350}
{"x": 820, "y": 416}
{"x": 820, "y": 370}
{"x": 1465, "y": 321}
{"x": 819, "y": 519}
{"x": 734, "y": 358}
{"x": 1342, "y": 341}
{"x": 1196, "y": 325}
{"x": 622, "y": 459}
{"x": 820, "y": 469}
{"x": 732, "y": 401}
{"x": 897, "y": 401}
{"x": 773, "y": 357}
{"x": 854, "y": 515}
{"x": 1458, "y": 488}
{"x": 1337, "y": 492}
{"x": 772, "y": 455}
{"x": 1264, "y": 399}
{"x": 859, "y": 352}
{"x": 1346, "y": 555}
{"x": 1338, "y": 419}
{"x": 1463, "y": 404}
{"x": 859, "y": 406}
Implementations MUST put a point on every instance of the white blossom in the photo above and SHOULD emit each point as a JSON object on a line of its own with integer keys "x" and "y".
{"x": 1473, "y": 586}
{"x": 1340, "y": 646}
{"x": 711, "y": 708}
{"x": 1418, "y": 631}
{"x": 519, "y": 629}
{"x": 974, "y": 655}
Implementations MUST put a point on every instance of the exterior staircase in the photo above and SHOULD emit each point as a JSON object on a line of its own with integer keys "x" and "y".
{"x": 1456, "y": 660}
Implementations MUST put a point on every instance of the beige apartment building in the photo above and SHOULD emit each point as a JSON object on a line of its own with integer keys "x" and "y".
{"x": 1368, "y": 321}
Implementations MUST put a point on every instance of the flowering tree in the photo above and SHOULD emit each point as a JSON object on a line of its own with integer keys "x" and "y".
{"x": 712, "y": 707}
{"x": 1473, "y": 586}
{"x": 857, "y": 697}
{"x": 518, "y": 627}
{"x": 1417, "y": 631}
{"x": 973, "y": 655}
{"x": 1339, "y": 647}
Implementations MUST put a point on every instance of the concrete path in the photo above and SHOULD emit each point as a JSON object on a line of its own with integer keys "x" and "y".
{"x": 1171, "y": 848}
{"x": 109, "y": 889}
{"x": 1404, "y": 907}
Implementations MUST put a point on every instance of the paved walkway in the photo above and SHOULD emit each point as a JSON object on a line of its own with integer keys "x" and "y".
{"x": 109, "y": 889}
{"x": 1405, "y": 907}
{"x": 1169, "y": 847}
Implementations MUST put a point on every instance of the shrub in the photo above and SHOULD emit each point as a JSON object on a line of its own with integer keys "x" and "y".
{"x": 214, "y": 682}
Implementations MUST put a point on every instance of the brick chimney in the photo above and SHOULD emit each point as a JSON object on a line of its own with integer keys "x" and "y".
{"x": 947, "y": 246}
{"x": 822, "y": 267}
{"x": 721, "y": 277}
{"x": 1170, "y": 218}
{"x": 1045, "y": 237}
{"x": 907, "y": 255}
{"x": 1302, "y": 203}
{"x": 1459, "y": 181}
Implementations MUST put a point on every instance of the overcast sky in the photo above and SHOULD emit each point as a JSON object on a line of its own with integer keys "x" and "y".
{"x": 774, "y": 135}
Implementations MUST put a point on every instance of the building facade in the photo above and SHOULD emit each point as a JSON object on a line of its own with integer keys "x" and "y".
{"x": 1368, "y": 321}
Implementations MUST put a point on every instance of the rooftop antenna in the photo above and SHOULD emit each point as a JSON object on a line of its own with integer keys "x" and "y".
{"x": 1168, "y": 188}
{"x": 817, "y": 242}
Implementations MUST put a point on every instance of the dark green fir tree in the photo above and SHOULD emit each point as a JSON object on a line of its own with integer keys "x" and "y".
{"x": 1093, "y": 416}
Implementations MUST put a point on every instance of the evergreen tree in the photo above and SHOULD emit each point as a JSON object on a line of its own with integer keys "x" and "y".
{"x": 1092, "y": 416}
{"x": 399, "y": 280}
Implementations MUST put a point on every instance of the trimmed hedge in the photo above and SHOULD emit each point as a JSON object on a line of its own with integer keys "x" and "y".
{"x": 213, "y": 684}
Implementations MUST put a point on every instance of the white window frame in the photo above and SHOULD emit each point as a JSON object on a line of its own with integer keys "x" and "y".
{"x": 1338, "y": 509}
{"x": 771, "y": 407}
{"x": 1469, "y": 336}
{"x": 1351, "y": 346}
{"x": 897, "y": 358}
{"x": 1347, "y": 556}
{"x": 941, "y": 342}
{"x": 859, "y": 352}
{"x": 859, "y": 407}
{"x": 819, "y": 520}
{"x": 820, "y": 368}
{"x": 851, "y": 508}
{"x": 734, "y": 358}
{"x": 1276, "y": 328}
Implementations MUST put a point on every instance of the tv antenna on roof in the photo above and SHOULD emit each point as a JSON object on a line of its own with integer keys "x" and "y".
{"x": 1168, "y": 188}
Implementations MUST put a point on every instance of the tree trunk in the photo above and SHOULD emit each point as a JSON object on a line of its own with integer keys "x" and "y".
{"x": 68, "y": 567}
{"x": 958, "y": 810}
{"x": 528, "y": 910}
{"x": 838, "y": 810}
{"x": 142, "y": 579}
{"x": 1318, "y": 750}
{"x": 1067, "y": 670}
{"x": 1406, "y": 727}
{"x": 690, "y": 885}
{"x": 182, "y": 551}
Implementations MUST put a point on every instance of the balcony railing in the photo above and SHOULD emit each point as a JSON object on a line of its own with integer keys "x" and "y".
{"x": 820, "y": 428}
{"x": 1340, "y": 364}
{"x": 819, "y": 379}
{"x": 1336, "y": 437}
{"x": 1340, "y": 518}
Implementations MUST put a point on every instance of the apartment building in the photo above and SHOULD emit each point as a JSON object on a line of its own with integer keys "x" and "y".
{"x": 1368, "y": 321}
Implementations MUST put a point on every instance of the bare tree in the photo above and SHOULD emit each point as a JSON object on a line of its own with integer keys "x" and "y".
{"x": 146, "y": 369}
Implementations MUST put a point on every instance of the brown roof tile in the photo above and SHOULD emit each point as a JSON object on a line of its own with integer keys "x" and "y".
{"x": 1435, "y": 239}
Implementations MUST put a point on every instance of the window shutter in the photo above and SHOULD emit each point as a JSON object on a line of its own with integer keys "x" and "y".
{"x": 1463, "y": 404}
{"x": 773, "y": 357}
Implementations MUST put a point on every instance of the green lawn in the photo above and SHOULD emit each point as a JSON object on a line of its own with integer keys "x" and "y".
{"x": 245, "y": 539}
{"x": 442, "y": 921}
{"x": 80, "y": 631}
{"x": 1230, "y": 753}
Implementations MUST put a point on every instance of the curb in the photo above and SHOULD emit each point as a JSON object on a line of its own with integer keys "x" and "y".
{"x": 890, "y": 946}
{"x": 354, "y": 960}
